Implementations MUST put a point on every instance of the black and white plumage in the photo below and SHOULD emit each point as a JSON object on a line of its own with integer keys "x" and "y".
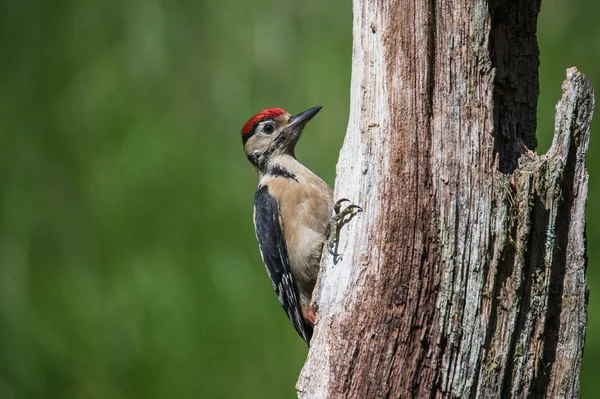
{"x": 273, "y": 250}
{"x": 292, "y": 210}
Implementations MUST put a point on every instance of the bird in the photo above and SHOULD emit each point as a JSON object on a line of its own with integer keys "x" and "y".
{"x": 294, "y": 211}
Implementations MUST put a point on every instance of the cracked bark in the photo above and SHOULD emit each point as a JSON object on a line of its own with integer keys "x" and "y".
{"x": 465, "y": 274}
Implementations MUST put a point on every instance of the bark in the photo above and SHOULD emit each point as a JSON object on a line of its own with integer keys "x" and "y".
{"x": 465, "y": 274}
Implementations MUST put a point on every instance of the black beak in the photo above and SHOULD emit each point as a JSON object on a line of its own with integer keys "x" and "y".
{"x": 298, "y": 121}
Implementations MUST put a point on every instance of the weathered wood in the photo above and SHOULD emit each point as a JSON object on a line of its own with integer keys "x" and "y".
{"x": 465, "y": 274}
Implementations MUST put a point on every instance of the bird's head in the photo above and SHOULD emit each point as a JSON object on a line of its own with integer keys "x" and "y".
{"x": 273, "y": 132}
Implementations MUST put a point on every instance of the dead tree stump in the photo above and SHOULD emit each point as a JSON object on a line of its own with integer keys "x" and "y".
{"x": 465, "y": 274}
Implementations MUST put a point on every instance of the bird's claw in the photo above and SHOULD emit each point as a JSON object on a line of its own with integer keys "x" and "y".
{"x": 337, "y": 220}
{"x": 331, "y": 251}
{"x": 338, "y": 205}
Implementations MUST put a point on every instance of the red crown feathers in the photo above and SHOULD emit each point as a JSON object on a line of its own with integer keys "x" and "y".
{"x": 262, "y": 115}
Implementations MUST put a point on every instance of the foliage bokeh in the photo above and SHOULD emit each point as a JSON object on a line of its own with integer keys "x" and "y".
{"x": 128, "y": 263}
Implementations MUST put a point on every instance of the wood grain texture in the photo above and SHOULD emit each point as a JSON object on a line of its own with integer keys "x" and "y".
{"x": 465, "y": 274}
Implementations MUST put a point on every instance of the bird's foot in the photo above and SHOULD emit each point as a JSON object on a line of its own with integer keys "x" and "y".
{"x": 339, "y": 220}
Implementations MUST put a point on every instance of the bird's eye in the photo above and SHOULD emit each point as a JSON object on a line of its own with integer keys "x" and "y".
{"x": 268, "y": 129}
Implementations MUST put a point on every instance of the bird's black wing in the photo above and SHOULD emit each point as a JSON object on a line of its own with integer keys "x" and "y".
{"x": 271, "y": 242}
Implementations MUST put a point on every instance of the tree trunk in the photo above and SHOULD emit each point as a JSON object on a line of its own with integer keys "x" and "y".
{"x": 465, "y": 274}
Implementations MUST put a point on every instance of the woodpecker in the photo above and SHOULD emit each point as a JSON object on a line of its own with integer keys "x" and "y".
{"x": 293, "y": 211}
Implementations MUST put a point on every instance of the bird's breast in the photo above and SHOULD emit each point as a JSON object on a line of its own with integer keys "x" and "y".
{"x": 305, "y": 208}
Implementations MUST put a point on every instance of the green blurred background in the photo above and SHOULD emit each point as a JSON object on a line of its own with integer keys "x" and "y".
{"x": 128, "y": 263}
